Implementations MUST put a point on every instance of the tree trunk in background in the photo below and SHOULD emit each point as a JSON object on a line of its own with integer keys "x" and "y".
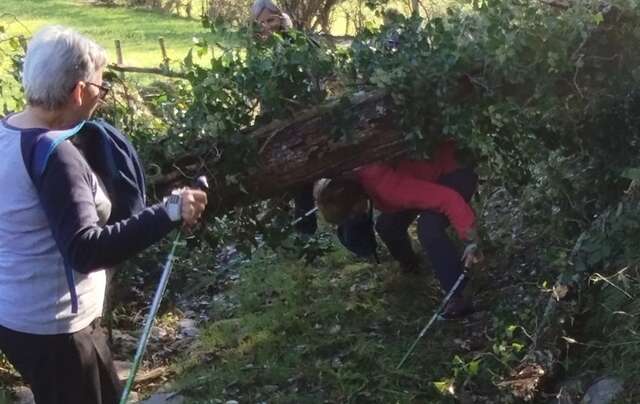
{"x": 309, "y": 14}
{"x": 298, "y": 151}
{"x": 415, "y": 6}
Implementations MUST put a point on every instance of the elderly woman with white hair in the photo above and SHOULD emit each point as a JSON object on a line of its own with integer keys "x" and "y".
{"x": 54, "y": 241}
{"x": 270, "y": 18}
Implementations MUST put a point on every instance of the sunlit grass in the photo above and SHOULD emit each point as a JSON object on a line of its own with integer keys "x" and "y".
{"x": 138, "y": 30}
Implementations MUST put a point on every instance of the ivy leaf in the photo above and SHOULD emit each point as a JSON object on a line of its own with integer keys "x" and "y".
{"x": 598, "y": 18}
{"x": 444, "y": 386}
{"x": 474, "y": 367}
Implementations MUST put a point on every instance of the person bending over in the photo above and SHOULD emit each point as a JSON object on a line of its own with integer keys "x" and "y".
{"x": 435, "y": 193}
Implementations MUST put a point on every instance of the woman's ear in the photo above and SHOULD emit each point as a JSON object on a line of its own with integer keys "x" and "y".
{"x": 77, "y": 94}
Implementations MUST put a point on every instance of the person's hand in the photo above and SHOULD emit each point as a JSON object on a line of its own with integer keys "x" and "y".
{"x": 472, "y": 254}
{"x": 194, "y": 201}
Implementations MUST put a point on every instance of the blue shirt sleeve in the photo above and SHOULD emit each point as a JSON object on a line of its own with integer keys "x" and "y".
{"x": 66, "y": 195}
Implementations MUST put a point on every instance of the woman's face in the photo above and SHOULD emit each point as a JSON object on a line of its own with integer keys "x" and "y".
{"x": 93, "y": 94}
{"x": 269, "y": 22}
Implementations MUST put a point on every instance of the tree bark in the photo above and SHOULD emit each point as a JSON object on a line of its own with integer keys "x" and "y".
{"x": 298, "y": 151}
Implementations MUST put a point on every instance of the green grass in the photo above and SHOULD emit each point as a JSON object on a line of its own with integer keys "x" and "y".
{"x": 137, "y": 29}
{"x": 309, "y": 334}
{"x": 335, "y": 330}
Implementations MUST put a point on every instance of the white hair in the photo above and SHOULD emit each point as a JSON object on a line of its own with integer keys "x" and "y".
{"x": 287, "y": 24}
{"x": 260, "y": 5}
{"x": 57, "y": 58}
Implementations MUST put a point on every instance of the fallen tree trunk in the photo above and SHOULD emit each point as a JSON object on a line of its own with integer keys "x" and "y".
{"x": 298, "y": 151}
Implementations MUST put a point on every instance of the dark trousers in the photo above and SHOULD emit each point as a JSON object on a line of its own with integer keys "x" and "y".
{"x": 432, "y": 226}
{"x": 72, "y": 368}
{"x": 303, "y": 203}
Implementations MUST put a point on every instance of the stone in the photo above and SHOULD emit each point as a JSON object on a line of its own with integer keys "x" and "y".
{"x": 603, "y": 391}
{"x": 23, "y": 395}
{"x": 122, "y": 369}
{"x": 158, "y": 332}
{"x": 164, "y": 398}
{"x": 188, "y": 327}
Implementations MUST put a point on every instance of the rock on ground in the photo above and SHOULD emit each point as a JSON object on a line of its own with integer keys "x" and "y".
{"x": 23, "y": 395}
{"x": 603, "y": 391}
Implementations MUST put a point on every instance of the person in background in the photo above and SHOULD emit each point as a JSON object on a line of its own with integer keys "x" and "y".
{"x": 54, "y": 244}
{"x": 271, "y": 19}
{"x": 435, "y": 192}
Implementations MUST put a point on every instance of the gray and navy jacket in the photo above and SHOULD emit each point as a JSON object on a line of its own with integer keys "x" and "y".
{"x": 51, "y": 233}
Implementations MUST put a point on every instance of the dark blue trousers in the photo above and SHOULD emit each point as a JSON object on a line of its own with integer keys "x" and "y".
{"x": 432, "y": 226}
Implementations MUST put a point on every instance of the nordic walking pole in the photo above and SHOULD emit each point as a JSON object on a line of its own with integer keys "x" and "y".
{"x": 298, "y": 220}
{"x": 435, "y": 316}
{"x": 157, "y": 298}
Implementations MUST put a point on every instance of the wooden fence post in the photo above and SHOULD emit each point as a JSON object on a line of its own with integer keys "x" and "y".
{"x": 119, "y": 55}
{"x": 23, "y": 42}
{"x": 163, "y": 49}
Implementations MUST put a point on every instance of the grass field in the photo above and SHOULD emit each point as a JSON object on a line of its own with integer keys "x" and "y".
{"x": 138, "y": 30}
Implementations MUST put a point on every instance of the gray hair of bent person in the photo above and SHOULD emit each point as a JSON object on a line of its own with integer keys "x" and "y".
{"x": 260, "y": 5}
{"x": 287, "y": 24}
{"x": 57, "y": 59}
{"x": 337, "y": 199}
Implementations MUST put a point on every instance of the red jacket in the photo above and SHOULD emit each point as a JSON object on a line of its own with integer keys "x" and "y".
{"x": 411, "y": 184}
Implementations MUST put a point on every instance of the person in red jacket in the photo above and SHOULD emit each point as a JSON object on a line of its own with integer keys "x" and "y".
{"x": 436, "y": 192}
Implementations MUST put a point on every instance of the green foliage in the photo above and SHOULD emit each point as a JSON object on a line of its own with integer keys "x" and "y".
{"x": 273, "y": 79}
{"x": 530, "y": 93}
{"x": 509, "y": 80}
{"x": 10, "y": 63}
{"x": 612, "y": 242}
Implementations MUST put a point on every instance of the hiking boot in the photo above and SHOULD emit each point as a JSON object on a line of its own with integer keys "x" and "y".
{"x": 458, "y": 307}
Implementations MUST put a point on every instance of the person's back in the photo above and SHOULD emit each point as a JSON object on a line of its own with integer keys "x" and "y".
{"x": 31, "y": 265}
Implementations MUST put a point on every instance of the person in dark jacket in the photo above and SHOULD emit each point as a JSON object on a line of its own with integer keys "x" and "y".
{"x": 436, "y": 193}
{"x": 54, "y": 240}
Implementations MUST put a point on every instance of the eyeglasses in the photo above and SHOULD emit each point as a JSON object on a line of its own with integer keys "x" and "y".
{"x": 104, "y": 88}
